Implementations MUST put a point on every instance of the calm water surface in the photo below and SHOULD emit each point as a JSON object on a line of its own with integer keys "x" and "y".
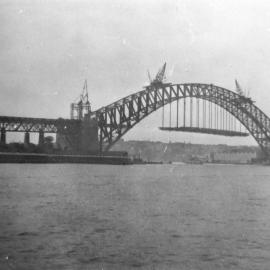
{"x": 134, "y": 217}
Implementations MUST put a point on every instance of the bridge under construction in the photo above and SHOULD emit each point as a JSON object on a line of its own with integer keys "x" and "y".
{"x": 186, "y": 107}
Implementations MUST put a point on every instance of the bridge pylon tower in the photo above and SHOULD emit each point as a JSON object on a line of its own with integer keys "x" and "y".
{"x": 81, "y": 106}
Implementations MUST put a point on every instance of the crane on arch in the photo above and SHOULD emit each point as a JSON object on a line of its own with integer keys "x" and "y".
{"x": 159, "y": 78}
{"x": 243, "y": 97}
{"x": 238, "y": 88}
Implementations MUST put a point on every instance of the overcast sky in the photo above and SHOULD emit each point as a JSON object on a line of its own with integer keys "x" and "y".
{"x": 48, "y": 48}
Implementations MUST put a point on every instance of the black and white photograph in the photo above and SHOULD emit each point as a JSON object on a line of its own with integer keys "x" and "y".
{"x": 134, "y": 134}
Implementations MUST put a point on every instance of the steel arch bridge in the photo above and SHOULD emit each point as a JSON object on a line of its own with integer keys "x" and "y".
{"x": 118, "y": 118}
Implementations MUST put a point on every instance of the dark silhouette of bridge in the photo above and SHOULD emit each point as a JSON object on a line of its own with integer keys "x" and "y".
{"x": 116, "y": 119}
{"x": 37, "y": 125}
{"x": 99, "y": 130}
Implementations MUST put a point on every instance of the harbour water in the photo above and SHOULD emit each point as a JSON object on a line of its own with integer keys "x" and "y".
{"x": 71, "y": 216}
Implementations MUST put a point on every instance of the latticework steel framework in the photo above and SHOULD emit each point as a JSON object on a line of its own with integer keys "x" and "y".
{"x": 24, "y": 124}
{"x": 118, "y": 118}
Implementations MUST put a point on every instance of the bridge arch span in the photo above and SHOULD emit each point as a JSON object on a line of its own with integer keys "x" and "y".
{"x": 116, "y": 119}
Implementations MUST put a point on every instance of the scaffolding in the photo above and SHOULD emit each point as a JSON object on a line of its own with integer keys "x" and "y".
{"x": 81, "y": 106}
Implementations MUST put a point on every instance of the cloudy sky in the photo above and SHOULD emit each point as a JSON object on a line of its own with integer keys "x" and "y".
{"x": 48, "y": 48}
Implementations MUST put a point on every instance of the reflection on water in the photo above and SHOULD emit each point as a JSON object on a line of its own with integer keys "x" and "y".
{"x": 130, "y": 217}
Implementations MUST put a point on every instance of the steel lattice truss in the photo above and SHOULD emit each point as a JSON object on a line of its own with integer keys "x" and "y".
{"x": 22, "y": 124}
{"x": 119, "y": 117}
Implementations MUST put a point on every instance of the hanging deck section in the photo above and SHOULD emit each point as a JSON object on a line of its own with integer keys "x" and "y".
{"x": 194, "y": 115}
{"x": 229, "y": 133}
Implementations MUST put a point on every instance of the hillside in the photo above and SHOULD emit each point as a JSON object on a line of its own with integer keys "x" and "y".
{"x": 159, "y": 151}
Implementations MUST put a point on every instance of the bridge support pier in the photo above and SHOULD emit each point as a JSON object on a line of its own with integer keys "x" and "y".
{"x": 3, "y": 136}
{"x": 68, "y": 139}
{"x": 41, "y": 137}
{"x": 83, "y": 140}
{"x": 89, "y": 135}
{"x": 27, "y": 138}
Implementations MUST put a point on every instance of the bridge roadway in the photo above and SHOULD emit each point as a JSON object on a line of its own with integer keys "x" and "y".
{"x": 38, "y": 125}
{"x": 27, "y": 124}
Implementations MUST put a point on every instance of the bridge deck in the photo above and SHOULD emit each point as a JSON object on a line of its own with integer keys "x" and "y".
{"x": 207, "y": 131}
{"x": 28, "y": 124}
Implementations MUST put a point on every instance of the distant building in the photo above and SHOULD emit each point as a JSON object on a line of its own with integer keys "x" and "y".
{"x": 237, "y": 157}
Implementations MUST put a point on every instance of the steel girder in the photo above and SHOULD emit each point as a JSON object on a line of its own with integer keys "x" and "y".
{"x": 22, "y": 124}
{"x": 118, "y": 118}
